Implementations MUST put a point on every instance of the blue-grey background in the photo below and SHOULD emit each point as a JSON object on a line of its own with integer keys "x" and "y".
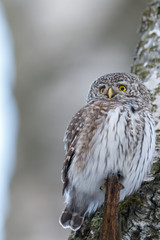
{"x": 60, "y": 48}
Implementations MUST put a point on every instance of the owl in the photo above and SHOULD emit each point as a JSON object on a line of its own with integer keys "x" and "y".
{"x": 112, "y": 134}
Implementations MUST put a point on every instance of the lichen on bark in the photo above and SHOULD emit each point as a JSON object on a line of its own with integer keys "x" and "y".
{"x": 140, "y": 214}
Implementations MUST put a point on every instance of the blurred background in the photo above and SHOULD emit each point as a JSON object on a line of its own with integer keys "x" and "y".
{"x": 60, "y": 47}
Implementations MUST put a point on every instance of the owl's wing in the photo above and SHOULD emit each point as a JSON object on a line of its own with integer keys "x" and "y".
{"x": 70, "y": 140}
{"x": 74, "y": 127}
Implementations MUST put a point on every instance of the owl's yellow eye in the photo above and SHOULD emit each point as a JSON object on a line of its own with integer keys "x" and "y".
{"x": 122, "y": 88}
{"x": 101, "y": 89}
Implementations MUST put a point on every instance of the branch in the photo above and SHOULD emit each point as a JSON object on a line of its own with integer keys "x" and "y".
{"x": 110, "y": 228}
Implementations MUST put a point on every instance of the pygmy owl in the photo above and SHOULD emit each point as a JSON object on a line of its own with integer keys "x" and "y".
{"x": 112, "y": 134}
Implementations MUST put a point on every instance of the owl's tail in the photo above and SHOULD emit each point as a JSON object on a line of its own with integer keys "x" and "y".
{"x": 72, "y": 220}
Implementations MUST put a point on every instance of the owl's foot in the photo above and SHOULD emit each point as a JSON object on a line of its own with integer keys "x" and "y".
{"x": 103, "y": 187}
{"x": 121, "y": 186}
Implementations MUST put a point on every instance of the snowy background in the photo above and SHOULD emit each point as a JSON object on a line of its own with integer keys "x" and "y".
{"x": 60, "y": 48}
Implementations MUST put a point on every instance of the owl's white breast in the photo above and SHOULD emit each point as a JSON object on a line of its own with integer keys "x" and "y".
{"x": 116, "y": 146}
{"x": 105, "y": 154}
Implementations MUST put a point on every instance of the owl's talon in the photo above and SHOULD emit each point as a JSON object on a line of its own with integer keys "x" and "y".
{"x": 121, "y": 186}
{"x": 103, "y": 187}
{"x": 120, "y": 177}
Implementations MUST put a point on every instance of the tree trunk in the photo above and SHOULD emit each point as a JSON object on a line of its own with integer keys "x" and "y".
{"x": 140, "y": 214}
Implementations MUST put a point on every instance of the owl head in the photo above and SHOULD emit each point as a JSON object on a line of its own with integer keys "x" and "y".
{"x": 118, "y": 86}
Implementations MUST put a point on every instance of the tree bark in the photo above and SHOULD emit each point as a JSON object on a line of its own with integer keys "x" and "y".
{"x": 140, "y": 214}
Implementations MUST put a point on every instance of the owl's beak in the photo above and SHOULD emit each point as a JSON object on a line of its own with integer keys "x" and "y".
{"x": 110, "y": 93}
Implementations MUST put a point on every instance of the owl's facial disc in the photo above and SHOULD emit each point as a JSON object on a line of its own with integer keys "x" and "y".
{"x": 111, "y": 91}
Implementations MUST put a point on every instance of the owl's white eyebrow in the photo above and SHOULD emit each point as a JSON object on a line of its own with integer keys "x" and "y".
{"x": 102, "y": 85}
{"x": 122, "y": 83}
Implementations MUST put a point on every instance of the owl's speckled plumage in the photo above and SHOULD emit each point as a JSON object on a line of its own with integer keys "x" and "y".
{"x": 111, "y": 134}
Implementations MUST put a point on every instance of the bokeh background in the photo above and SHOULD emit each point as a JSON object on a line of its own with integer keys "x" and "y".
{"x": 60, "y": 48}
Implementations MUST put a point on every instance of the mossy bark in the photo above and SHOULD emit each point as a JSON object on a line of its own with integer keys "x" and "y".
{"x": 140, "y": 214}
